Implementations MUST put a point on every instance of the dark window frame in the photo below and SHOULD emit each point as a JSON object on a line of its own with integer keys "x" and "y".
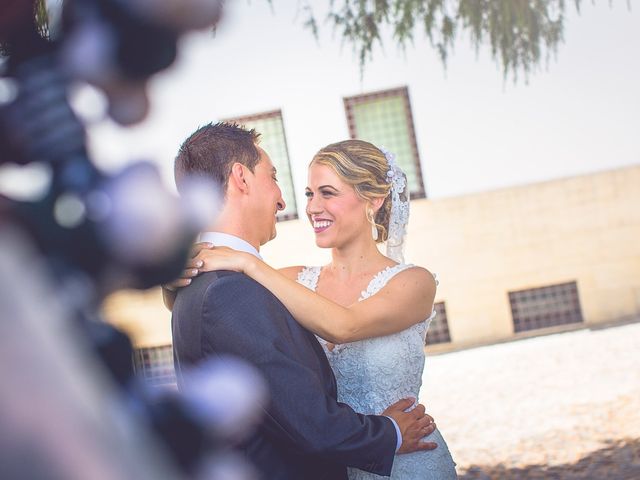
{"x": 403, "y": 92}
{"x": 439, "y": 328}
{"x": 155, "y": 373}
{"x": 546, "y": 306}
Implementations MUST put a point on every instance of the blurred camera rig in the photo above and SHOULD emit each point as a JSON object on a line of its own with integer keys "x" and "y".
{"x": 91, "y": 234}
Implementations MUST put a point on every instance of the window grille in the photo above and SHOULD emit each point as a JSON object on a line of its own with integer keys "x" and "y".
{"x": 439, "y": 329}
{"x": 384, "y": 118}
{"x": 545, "y": 306}
{"x": 155, "y": 365}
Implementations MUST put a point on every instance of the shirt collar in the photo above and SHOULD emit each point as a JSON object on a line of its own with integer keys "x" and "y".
{"x": 220, "y": 239}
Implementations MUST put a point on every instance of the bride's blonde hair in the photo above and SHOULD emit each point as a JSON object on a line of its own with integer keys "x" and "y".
{"x": 363, "y": 166}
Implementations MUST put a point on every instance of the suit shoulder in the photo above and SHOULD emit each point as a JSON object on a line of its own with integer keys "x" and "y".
{"x": 215, "y": 281}
{"x": 234, "y": 295}
{"x": 232, "y": 284}
{"x": 227, "y": 278}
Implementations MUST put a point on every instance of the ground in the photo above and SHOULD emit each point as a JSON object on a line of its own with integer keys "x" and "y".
{"x": 564, "y": 406}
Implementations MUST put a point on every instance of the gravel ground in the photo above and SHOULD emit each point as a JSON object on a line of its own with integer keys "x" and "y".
{"x": 564, "y": 406}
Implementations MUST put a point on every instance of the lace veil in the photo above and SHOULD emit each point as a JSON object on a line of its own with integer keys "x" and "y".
{"x": 399, "y": 217}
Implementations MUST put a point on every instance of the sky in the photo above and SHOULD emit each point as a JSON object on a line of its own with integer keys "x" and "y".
{"x": 476, "y": 131}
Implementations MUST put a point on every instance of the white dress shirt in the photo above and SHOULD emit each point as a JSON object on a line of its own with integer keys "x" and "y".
{"x": 220, "y": 239}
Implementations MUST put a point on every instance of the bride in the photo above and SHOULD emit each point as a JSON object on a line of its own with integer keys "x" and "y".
{"x": 370, "y": 311}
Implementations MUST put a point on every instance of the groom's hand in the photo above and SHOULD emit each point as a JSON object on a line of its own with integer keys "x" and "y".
{"x": 414, "y": 425}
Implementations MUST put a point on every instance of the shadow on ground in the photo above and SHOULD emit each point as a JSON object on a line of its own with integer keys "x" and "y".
{"x": 618, "y": 461}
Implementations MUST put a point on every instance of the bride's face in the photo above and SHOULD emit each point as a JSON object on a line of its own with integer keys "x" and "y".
{"x": 336, "y": 212}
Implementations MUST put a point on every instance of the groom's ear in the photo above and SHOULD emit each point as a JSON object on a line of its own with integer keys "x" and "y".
{"x": 238, "y": 177}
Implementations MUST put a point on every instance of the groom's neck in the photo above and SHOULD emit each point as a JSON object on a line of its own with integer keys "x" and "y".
{"x": 234, "y": 223}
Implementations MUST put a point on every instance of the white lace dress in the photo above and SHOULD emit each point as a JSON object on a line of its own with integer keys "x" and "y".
{"x": 372, "y": 374}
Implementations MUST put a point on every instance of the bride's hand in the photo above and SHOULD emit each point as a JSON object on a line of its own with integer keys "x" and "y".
{"x": 191, "y": 269}
{"x": 224, "y": 258}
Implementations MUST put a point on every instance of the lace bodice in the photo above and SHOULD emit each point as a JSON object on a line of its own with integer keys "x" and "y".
{"x": 374, "y": 373}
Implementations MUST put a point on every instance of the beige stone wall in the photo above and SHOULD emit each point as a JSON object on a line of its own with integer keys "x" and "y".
{"x": 584, "y": 228}
{"x": 141, "y": 315}
{"x": 484, "y": 245}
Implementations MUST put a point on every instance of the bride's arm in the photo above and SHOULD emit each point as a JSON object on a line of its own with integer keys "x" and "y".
{"x": 170, "y": 290}
{"x": 406, "y": 299}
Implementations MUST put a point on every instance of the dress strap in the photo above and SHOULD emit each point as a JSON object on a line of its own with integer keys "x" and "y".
{"x": 381, "y": 278}
{"x": 309, "y": 276}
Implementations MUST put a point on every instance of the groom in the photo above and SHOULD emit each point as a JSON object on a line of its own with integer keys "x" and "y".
{"x": 305, "y": 432}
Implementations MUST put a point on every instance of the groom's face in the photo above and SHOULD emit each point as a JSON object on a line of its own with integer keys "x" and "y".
{"x": 266, "y": 198}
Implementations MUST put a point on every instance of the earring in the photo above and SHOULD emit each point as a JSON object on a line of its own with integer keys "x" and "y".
{"x": 374, "y": 228}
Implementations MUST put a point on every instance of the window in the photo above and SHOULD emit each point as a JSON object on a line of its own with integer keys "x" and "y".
{"x": 439, "y": 329}
{"x": 545, "y": 306}
{"x": 384, "y": 119}
{"x": 155, "y": 365}
{"x": 274, "y": 142}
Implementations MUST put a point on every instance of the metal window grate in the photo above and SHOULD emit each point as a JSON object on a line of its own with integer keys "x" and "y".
{"x": 384, "y": 118}
{"x": 274, "y": 141}
{"x": 545, "y": 306}
{"x": 155, "y": 365}
{"x": 439, "y": 329}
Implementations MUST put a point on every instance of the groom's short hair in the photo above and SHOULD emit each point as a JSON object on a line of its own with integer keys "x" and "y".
{"x": 211, "y": 151}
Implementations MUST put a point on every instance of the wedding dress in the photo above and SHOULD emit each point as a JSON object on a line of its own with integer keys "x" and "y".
{"x": 375, "y": 373}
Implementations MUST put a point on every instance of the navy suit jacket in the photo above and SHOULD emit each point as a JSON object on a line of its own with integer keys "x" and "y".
{"x": 305, "y": 432}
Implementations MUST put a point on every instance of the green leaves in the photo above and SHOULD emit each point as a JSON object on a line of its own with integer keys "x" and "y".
{"x": 519, "y": 33}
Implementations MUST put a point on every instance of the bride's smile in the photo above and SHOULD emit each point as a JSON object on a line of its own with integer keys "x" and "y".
{"x": 320, "y": 224}
{"x": 335, "y": 211}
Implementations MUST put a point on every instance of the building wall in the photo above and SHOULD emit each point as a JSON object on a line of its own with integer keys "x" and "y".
{"x": 141, "y": 315}
{"x": 484, "y": 245}
{"x": 584, "y": 229}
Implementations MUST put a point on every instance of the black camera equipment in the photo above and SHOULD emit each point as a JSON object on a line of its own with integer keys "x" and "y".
{"x": 94, "y": 233}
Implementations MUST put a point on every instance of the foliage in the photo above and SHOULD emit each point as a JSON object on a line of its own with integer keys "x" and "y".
{"x": 39, "y": 18}
{"x": 520, "y": 33}
{"x": 42, "y": 19}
